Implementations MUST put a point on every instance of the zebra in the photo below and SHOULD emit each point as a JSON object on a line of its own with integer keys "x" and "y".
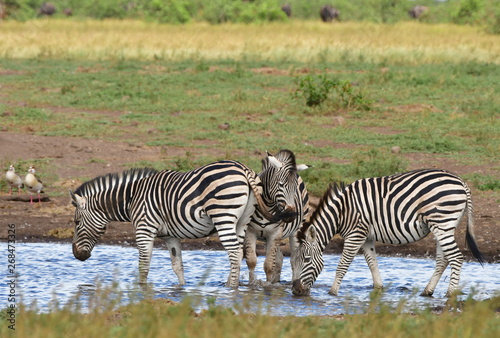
{"x": 397, "y": 209}
{"x": 172, "y": 205}
{"x": 273, "y": 233}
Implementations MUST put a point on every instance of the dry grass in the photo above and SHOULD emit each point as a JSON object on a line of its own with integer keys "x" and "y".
{"x": 407, "y": 42}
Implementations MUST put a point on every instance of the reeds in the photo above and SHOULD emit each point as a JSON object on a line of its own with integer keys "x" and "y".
{"x": 160, "y": 317}
{"x": 303, "y": 41}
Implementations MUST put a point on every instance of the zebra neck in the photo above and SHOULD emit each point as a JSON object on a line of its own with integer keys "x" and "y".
{"x": 118, "y": 209}
{"x": 329, "y": 217}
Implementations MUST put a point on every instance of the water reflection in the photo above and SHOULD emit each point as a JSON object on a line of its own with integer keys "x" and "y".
{"x": 51, "y": 277}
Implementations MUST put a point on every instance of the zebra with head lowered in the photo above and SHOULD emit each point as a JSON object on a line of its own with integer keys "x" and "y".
{"x": 274, "y": 232}
{"x": 397, "y": 209}
{"x": 220, "y": 197}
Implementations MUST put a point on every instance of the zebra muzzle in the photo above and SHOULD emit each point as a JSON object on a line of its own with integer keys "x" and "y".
{"x": 80, "y": 254}
{"x": 289, "y": 214}
{"x": 298, "y": 289}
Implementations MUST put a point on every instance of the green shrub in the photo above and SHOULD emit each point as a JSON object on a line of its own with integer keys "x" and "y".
{"x": 318, "y": 89}
{"x": 170, "y": 11}
{"x": 314, "y": 90}
{"x": 468, "y": 12}
{"x": 20, "y": 9}
{"x": 100, "y": 9}
{"x": 220, "y": 11}
{"x": 492, "y": 21}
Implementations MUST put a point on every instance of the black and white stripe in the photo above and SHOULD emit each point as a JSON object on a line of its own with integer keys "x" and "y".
{"x": 273, "y": 232}
{"x": 395, "y": 209}
{"x": 173, "y": 205}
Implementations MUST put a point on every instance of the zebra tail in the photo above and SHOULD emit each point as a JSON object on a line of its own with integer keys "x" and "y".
{"x": 470, "y": 237}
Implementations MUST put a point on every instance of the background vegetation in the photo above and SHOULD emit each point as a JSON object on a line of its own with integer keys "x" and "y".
{"x": 485, "y": 13}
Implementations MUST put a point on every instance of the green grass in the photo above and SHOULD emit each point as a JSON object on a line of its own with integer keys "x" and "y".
{"x": 153, "y": 318}
{"x": 440, "y": 109}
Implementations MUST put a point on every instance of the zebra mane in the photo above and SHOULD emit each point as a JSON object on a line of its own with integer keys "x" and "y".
{"x": 336, "y": 188}
{"x": 284, "y": 156}
{"x": 105, "y": 181}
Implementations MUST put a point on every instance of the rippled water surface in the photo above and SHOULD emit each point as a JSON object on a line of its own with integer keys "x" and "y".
{"x": 50, "y": 276}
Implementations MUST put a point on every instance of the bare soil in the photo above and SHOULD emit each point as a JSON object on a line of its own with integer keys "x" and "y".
{"x": 74, "y": 161}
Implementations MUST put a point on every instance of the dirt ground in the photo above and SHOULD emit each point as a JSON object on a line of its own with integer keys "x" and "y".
{"x": 74, "y": 160}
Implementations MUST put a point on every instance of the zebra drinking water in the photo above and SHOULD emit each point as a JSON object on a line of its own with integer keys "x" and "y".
{"x": 397, "y": 209}
{"x": 220, "y": 197}
{"x": 272, "y": 232}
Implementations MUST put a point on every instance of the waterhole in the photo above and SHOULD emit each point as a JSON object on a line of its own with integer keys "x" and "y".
{"x": 49, "y": 277}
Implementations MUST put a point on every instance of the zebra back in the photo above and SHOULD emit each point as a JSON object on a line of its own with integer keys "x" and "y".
{"x": 111, "y": 192}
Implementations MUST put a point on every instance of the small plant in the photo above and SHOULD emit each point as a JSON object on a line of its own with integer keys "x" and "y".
{"x": 317, "y": 90}
{"x": 351, "y": 99}
{"x": 314, "y": 89}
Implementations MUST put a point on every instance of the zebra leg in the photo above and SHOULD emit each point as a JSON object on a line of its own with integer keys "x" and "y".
{"x": 371, "y": 259}
{"x": 250, "y": 255}
{"x": 455, "y": 259}
{"x": 351, "y": 248}
{"x": 441, "y": 264}
{"x": 448, "y": 253}
{"x": 145, "y": 246}
{"x": 279, "y": 265}
{"x": 233, "y": 243}
{"x": 272, "y": 255}
{"x": 174, "y": 247}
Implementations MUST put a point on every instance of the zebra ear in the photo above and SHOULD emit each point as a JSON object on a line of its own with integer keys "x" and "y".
{"x": 274, "y": 161}
{"x": 302, "y": 167}
{"x": 311, "y": 234}
{"x": 77, "y": 201}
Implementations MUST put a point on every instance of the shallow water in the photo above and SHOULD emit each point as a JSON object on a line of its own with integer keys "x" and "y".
{"x": 50, "y": 277}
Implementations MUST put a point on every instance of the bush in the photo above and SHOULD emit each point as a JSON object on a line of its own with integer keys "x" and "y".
{"x": 468, "y": 12}
{"x": 493, "y": 21}
{"x": 220, "y": 11}
{"x": 317, "y": 90}
{"x": 20, "y": 9}
{"x": 170, "y": 11}
{"x": 314, "y": 90}
{"x": 99, "y": 9}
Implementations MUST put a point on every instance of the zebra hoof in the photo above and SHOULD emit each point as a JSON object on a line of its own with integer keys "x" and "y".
{"x": 427, "y": 293}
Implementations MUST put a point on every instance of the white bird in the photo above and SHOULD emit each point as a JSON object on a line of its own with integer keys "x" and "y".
{"x": 15, "y": 181}
{"x": 33, "y": 184}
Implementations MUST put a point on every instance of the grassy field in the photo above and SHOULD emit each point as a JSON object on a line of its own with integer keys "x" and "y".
{"x": 311, "y": 42}
{"x": 424, "y": 88}
{"x": 241, "y": 89}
